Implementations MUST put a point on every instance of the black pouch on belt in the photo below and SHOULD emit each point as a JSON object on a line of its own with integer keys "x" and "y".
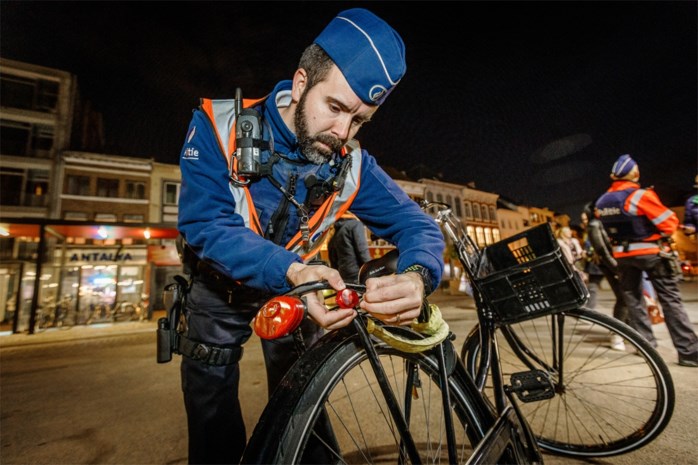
{"x": 169, "y": 327}
{"x": 670, "y": 264}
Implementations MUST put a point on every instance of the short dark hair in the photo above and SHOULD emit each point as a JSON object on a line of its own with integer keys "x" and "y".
{"x": 316, "y": 63}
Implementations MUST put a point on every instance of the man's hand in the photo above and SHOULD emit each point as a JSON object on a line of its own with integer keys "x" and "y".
{"x": 395, "y": 299}
{"x": 688, "y": 230}
{"x": 299, "y": 273}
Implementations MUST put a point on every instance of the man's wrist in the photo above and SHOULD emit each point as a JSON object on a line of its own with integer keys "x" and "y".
{"x": 423, "y": 273}
{"x": 292, "y": 271}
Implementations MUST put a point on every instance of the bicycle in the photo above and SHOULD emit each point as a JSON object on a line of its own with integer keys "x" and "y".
{"x": 580, "y": 397}
{"x": 370, "y": 393}
{"x": 57, "y": 315}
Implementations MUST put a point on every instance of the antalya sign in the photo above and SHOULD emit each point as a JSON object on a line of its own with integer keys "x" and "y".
{"x": 101, "y": 257}
{"x": 104, "y": 256}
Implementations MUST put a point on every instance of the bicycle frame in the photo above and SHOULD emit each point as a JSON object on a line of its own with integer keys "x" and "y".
{"x": 493, "y": 435}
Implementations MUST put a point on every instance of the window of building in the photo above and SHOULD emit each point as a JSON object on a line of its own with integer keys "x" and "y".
{"x": 130, "y": 218}
{"x": 493, "y": 215}
{"x": 76, "y": 216}
{"x": 471, "y": 231}
{"x": 468, "y": 212}
{"x": 488, "y": 236}
{"x": 485, "y": 216}
{"x": 26, "y": 140}
{"x": 15, "y": 137}
{"x": 77, "y": 184}
{"x": 495, "y": 235}
{"x": 36, "y": 189}
{"x": 449, "y": 200}
{"x": 27, "y": 93}
{"x": 42, "y": 141}
{"x": 135, "y": 189}
{"x": 23, "y": 187}
{"x": 439, "y": 197}
{"x": 476, "y": 211}
{"x": 107, "y": 187}
{"x": 430, "y": 196}
{"x": 16, "y": 91}
{"x": 459, "y": 207}
{"x": 105, "y": 217}
{"x": 170, "y": 195}
{"x": 480, "y": 236}
{"x": 11, "y": 180}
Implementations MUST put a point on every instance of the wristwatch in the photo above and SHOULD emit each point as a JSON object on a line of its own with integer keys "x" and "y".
{"x": 425, "y": 275}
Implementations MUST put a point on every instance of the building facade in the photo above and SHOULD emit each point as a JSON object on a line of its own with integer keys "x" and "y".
{"x": 80, "y": 231}
{"x": 36, "y": 114}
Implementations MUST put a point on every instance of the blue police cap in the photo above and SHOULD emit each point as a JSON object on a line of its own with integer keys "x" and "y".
{"x": 369, "y": 53}
{"x": 623, "y": 166}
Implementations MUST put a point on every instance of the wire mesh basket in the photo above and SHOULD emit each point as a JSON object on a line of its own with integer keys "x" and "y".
{"x": 527, "y": 276}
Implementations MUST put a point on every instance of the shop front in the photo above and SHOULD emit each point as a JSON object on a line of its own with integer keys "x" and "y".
{"x": 66, "y": 273}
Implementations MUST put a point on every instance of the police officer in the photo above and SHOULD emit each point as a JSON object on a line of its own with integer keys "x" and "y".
{"x": 257, "y": 199}
{"x": 637, "y": 221}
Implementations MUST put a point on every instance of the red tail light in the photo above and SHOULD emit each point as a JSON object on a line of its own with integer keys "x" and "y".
{"x": 279, "y": 317}
{"x": 347, "y": 298}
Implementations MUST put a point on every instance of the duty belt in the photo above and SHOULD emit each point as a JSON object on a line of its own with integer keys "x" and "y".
{"x": 209, "y": 354}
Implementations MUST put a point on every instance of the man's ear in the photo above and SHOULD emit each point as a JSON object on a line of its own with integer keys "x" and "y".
{"x": 300, "y": 82}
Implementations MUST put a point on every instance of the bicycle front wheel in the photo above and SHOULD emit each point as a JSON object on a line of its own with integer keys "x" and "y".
{"x": 606, "y": 402}
{"x": 330, "y": 409}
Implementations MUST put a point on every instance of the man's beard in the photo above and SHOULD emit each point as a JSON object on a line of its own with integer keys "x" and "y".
{"x": 316, "y": 155}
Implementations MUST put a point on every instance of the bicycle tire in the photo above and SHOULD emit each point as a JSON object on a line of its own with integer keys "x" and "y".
{"x": 611, "y": 402}
{"x": 325, "y": 383}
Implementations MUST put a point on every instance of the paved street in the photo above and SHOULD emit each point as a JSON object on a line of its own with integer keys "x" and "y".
{"x": 95, "y": 395}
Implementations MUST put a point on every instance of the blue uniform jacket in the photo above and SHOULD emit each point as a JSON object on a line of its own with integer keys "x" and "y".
{"x": 217, "y": 234}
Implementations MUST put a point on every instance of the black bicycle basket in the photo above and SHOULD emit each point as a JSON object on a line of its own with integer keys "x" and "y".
{"x": 527, "y": 276}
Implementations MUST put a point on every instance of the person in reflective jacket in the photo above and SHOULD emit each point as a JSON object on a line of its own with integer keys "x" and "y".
{"x": 252, "y": 235}
{"x": 637, "y": 221}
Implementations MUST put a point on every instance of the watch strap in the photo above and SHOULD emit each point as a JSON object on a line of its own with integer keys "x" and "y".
{"x": 425, "y": 275}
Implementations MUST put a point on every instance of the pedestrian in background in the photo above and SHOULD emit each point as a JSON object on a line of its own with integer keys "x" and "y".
{"x": 600, "y": 264}
{"x": 571, "y": 248}
{"x": 348, "y": 248}
{"x": 690, "y": 215}
{"x": 638, "y": 224}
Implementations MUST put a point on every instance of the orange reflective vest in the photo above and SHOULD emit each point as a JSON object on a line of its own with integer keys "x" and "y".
{"x": 221, "y": 114}
{"x": 625, "y": 203}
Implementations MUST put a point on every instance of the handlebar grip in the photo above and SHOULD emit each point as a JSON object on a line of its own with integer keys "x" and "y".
{"x": 383, "y": 266}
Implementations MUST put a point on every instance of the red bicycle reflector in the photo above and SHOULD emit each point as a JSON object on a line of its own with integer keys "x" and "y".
{"x": 279, "y": 317}
{"x": 347, "y": 298}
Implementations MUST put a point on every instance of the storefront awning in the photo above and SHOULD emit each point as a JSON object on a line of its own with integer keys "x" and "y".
{"x": 13, "y": 227}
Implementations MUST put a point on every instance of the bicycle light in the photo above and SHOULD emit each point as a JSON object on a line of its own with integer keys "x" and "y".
{"x": 347, "y": 298}
{"x": 279, "y": 317}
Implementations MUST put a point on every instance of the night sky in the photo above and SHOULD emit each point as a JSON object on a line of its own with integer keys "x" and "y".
{"x": 533, "y": 101}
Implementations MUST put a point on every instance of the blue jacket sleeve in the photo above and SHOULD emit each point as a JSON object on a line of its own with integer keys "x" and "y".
{"x": 389, "y": 213}
{"x": 208, "y": 221}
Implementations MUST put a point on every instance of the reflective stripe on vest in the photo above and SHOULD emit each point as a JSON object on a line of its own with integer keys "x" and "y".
{"x": 635, "y": 249}
{"x": 221, "y": 114}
